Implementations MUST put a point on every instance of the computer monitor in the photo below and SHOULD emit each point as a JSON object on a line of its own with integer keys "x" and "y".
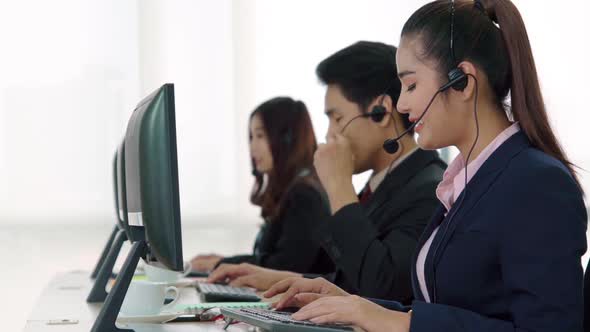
{"x": 116, "y": 186}
{"x": 131, "y": 233}
{"x": 152, "y": 176}
{"x": 152, "y": 198}
{"x": 120, "y": 233}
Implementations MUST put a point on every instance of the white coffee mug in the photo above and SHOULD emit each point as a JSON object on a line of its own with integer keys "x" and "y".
{"x": 161, "y": 274}
{"x": 147, "y": 298}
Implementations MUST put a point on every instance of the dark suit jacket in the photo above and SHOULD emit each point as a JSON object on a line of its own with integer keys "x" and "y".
{"x": 372, "y": 245}
{"x": 510, "y": 260}
{"x": 287, "y": 243}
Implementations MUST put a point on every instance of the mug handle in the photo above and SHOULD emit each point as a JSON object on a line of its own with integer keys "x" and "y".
{"x": 176, "y": 296}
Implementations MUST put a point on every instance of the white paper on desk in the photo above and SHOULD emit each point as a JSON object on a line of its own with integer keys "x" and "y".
{"x": 151, "y": 319}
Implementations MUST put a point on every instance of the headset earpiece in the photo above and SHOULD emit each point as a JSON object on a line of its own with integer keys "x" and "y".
{"x": 457, "y": 80}
{"x": 378, "y": 113}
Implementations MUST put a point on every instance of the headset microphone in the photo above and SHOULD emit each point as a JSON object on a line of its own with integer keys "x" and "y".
{"x": 255, "y": 172}
{"x": 391, "y": 145}
{"x": 457, "y": 80}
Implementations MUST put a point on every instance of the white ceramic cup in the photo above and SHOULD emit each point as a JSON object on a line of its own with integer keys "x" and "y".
{"x": 161, "y": 274}
{"x": 147, "y": 298}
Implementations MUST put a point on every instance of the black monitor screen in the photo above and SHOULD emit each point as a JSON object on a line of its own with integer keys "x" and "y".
{"x": 116, "y": 187}
{"x": 151, "y": 171}
{"x": 122, "y": 191}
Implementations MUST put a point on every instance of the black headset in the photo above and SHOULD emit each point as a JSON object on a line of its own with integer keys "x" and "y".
{"x": 457, "y": 81}
{"x": 457, "y": 77}
{"x": 378, "y": 112}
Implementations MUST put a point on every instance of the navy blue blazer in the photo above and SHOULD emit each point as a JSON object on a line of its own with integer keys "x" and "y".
{"x": 510, "y": 260}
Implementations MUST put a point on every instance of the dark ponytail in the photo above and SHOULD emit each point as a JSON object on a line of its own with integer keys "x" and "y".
{"x": 492, "y": 35}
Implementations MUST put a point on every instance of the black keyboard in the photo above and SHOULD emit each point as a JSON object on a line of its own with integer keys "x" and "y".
{"x": 223, "y": 293}
{"x": 278, "y": 321}
{"x": 198, "y": 274}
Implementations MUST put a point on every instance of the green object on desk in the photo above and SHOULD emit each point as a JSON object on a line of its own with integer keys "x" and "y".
{"x": 139, "y": 277}
{"x": 197, "y": 306}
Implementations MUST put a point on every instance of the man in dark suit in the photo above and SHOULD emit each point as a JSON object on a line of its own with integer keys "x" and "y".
{"x": 373, "y": 236}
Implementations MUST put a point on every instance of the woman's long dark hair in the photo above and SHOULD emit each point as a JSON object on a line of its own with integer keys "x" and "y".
{"x": 492, "y": 35}
{"x": 292, "y": 144}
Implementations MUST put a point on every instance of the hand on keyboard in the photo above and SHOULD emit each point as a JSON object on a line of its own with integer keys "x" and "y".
{"x": 286, "y": 317}
{"x": 205, "y": 263}
{"x": 300, "y": 291}
{"x": 248, "y": 275}
{"x": 354, "y": 310}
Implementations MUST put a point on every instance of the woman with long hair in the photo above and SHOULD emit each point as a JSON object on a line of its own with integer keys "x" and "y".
{"x": 503, "y": 251}
{"x": 282, "y": 146}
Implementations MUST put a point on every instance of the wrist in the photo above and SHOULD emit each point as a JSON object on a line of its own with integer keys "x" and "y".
{"x": 404, "y": 318}
{"x": 341, "y": 195}
{"x": 399, "y": 320}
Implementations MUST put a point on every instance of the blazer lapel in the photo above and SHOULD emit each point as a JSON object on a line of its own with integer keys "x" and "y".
{"x": 473, "y": 192}
{"x": 447, "y": 224}
{"x": 436, "y": 219}
{"x": 403, "y": 173}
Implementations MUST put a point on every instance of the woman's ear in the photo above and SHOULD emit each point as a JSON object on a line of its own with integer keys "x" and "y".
{"x": 471, "y": 71}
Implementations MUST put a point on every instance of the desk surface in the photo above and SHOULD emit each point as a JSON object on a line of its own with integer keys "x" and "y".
{"x": 65, "y": 298}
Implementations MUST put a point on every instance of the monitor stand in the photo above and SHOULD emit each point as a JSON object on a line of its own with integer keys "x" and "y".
{"x": 105, "y": 322}
{"x": 98, "y": 292}
{"x": 105, "y": 252}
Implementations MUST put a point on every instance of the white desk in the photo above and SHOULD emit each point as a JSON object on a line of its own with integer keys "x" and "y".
{"x": 65, "y": 298}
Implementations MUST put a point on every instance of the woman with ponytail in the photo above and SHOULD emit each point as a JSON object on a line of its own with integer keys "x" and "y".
{"x": 503, "y": 251}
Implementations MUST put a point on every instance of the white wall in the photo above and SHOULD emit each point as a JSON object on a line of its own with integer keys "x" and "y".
{"x": 292, "y": 37}
{"x": 68, "y": 71}
{"x": 71, "y": 72}
{"x": 559, "y": 37}
{"x": 190, "y": 43}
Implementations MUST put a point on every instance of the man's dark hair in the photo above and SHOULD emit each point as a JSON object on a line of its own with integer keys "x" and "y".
{"x": 363, "y": 71}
